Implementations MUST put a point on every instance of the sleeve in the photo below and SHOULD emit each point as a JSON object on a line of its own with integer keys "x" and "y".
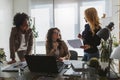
{"x": 85, "y": 33}
{"x": 30, "y": 43}
{"x": 67, "y": 56}
{"x": 92, "y": 40}
{"x": 97, "y": 41}
{"x": 49, "y": 52}
{"x": 89, "y": 38}
{"x": 12, "y": 43}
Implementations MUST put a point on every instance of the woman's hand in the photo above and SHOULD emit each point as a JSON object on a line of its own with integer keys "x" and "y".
{"x": 61, "y": 59}
{"x": 85, "y": 47}
{"x": 55, "y": 45}
{"x": 79, "y": 36}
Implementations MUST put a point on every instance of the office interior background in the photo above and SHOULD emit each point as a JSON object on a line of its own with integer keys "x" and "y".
{"x": 67, "y": 15}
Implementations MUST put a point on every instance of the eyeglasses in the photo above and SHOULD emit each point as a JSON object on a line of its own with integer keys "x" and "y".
{"x": 56, "y": 33}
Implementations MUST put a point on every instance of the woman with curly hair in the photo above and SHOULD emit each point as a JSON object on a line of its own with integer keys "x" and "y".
{"x": 21, "y": 38}
{"x": 90, "y": 39}
{"x": 55, "y": 46}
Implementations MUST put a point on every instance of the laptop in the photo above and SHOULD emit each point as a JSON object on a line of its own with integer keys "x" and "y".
{"x": 43, "y": 64}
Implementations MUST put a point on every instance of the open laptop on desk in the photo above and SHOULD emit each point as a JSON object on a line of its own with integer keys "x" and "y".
{"x": 43, "y": 64}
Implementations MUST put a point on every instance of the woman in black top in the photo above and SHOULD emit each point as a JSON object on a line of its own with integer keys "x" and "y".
{"x": 90, "y": 39}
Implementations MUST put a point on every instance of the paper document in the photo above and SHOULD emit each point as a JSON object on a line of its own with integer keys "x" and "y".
{"x": 75, "y": 43}
{"x": 79, "y": 65}
{"x": 71, "y": 72}
{"x": 14, "y": 67}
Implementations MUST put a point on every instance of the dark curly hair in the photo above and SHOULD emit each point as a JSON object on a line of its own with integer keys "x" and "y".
{"x": 19, "y": 18}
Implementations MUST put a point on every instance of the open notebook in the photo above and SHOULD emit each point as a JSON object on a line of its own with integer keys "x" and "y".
{"x": 79, "y": 65}
{"x": 14, "y": 67}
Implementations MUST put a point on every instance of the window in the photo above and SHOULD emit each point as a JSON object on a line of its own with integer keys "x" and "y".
{"x": 65, "y": 20}
{"x": 100, "y": 7}
{"x": 42, "y": 21}
{"x": 67, "y": 15}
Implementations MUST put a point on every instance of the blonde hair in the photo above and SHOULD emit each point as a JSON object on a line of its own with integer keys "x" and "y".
{"x": 91, "y": 16}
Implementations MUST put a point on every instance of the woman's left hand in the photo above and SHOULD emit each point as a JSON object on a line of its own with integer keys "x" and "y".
{"x": 61, "y": 58}
{"x": 80, "y": 36}
{"x": 85, "y": 47}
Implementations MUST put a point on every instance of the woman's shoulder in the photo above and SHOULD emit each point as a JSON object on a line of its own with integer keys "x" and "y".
{"x": 29, "y": 30}
{"x": 87, "y": 27}
{"x": 14, "y": 28}
{"x": 63, "y": 42}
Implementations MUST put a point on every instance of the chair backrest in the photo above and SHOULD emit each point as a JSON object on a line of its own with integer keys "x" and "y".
{"x": 74, "y": 55}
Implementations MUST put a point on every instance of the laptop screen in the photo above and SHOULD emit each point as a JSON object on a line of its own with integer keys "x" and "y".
{"x": 41, "y": 63}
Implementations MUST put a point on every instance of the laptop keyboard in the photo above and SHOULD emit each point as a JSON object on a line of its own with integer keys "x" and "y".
{"x": 60, "y": 66}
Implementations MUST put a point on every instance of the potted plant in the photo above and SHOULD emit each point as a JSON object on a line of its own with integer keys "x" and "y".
{"x": 95, "y": 70}
{"x": 35, "y": 33}
{"x": 2, "y": 55}
{"x": 105, "y": 48}
{"x": 115, "y": 41}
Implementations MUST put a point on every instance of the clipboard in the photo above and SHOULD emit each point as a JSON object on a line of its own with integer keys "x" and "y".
{"x": 75, "y": 43}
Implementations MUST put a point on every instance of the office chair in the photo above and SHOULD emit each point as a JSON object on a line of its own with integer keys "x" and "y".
{"x": 74, "y": 55}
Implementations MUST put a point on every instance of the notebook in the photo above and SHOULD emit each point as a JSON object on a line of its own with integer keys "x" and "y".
{"x": 43, "y": 64}
{"x": 78, "y": 65}
{"x": 14, "y": 67}
{"x": 75, "y": 43}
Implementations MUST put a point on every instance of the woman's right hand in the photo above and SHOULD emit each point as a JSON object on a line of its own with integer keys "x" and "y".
{"x": 55, "y": 45}
{"x": 79, "y": 36}
{"x": 85, "y": 47}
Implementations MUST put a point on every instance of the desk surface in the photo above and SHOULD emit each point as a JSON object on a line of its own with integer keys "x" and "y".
{"x": 27, "y": 75}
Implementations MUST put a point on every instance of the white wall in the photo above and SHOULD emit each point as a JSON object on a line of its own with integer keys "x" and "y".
{"x": 24, "y": 6}
{"x": 8, "y": 8}
{"x": 115, "y": 17}
{"x": 6, "y": 15}
{"x": 21, "y": 6}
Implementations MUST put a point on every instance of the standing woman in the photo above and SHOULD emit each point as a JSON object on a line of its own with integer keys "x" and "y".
{"x": 90, "y": 39}
{"x": 21, "y": 37}
{"x": 55, "y": 46}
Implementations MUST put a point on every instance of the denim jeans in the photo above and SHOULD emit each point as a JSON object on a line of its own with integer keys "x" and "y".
{"x": 88, "y": 56}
